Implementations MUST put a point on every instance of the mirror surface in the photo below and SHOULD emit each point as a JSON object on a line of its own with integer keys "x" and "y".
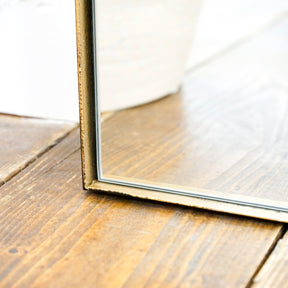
{"x": 193, "y": 97}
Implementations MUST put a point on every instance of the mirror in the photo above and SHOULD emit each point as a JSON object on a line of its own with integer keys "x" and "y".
{"x": 192, "y": 98}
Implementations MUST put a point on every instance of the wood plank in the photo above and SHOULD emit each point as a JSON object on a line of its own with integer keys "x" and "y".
{"x": 225, "y": 131}
{"x": 54, "y": 234}
{"x": 274, "y": 272}
{"x": 23, "y": 139}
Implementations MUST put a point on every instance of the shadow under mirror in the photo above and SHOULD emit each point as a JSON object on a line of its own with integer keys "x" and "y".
{"x": 207, "y": 96}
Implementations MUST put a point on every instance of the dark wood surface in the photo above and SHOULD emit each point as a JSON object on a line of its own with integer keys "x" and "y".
{"x": 55, "y": 234}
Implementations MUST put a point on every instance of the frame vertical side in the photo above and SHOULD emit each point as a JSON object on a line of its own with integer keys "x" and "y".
{"x": 86, "y": 87}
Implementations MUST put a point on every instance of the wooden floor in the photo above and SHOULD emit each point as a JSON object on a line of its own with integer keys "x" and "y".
{"x": 55, "y": 234}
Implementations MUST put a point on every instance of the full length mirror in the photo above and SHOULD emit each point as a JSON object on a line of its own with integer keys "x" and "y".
{"x": 193, "y": 97}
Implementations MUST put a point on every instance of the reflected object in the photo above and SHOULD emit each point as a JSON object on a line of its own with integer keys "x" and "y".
{"x": 143, "y": 48}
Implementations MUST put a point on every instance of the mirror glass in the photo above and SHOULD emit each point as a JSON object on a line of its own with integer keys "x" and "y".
{"x": 192, "y": 97}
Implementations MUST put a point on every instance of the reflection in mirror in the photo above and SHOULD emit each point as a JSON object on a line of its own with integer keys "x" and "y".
{"x": 193, "y": 98}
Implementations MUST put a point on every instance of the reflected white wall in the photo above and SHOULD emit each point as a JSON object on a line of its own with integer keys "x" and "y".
{"x": 38, "y": 69}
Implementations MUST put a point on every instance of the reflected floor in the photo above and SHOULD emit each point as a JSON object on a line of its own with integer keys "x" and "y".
{"x": 226, "y": 130}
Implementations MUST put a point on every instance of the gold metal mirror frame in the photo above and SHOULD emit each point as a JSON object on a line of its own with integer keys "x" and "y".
{"x": 90, "y": 144}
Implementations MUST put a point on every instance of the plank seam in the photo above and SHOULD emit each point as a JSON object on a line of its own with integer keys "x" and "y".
{"x": 34, "y": 158}
{"x": 270, "y": 251}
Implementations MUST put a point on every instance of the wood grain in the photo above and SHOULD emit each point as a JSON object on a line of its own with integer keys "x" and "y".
{"x": 225, "y": 131}
{"x": 23, "y": 139}
{"x": 54, "y": 234}
{"x": 274, "y": 272}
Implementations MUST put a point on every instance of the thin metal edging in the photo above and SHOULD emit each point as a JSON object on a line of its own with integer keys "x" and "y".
{"x": 194, "y": 194}
{"x": 100, "y": 177}
{"x": 97, "y": 99}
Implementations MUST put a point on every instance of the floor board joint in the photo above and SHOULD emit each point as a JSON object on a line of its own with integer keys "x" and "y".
{"x": 280, "y": 236}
